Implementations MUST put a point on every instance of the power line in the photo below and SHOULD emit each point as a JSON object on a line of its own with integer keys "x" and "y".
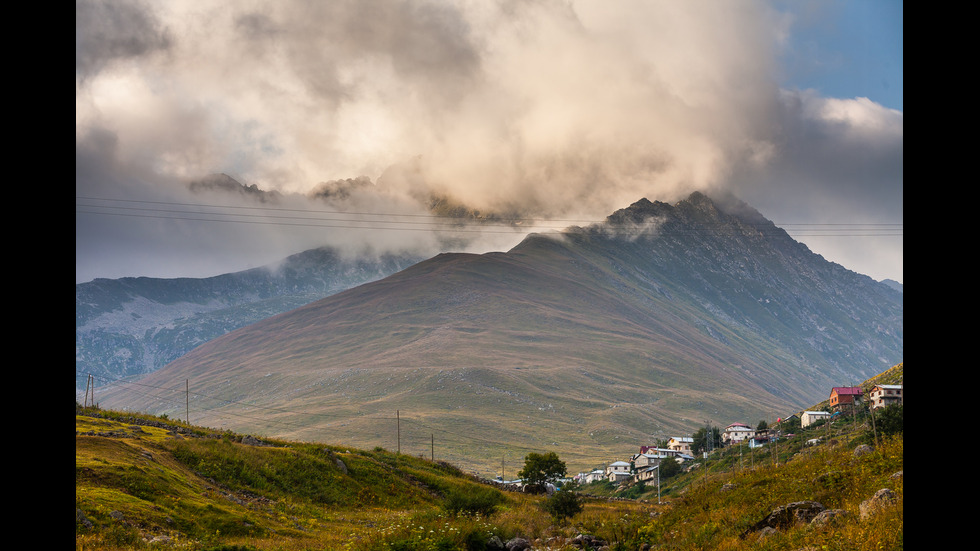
{"x": 409, "y": 222}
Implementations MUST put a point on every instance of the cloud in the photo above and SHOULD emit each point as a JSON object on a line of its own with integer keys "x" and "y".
{"x": 546, "y": 109}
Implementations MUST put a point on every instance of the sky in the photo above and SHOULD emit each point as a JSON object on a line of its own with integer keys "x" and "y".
{"x": 341, "y": 119}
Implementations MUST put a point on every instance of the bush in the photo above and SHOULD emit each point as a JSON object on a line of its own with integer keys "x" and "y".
{"x": 473, "y": 501}
{"x": 562, "y": 505}
{"x": 890, "y": 419}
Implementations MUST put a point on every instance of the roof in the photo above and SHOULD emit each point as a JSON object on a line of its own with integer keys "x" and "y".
{"x": 846, "y": 390}
{"x": 889, "y": 386}
{"x": 737, "y": 425}
{"x": 682, "y": 438}
{"x": 618, "y": 463}
{"x": 815, "y": 413}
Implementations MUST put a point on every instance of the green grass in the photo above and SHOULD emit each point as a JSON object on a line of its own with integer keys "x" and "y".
{"x": 206, "y": 490}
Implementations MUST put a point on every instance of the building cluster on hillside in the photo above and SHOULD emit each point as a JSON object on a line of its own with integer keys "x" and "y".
{"x": 643, "y": 466}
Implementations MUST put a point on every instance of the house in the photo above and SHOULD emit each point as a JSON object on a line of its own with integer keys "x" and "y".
{"x": 885, "y": 395}
{"x": 661, "y": 453}
{"x": 736, "y": 433}
{"x": 617, "y": 467}
{"x": 643, "y": 460}
{"x": 810, "y": 417}
{"x": 681, "y": 444}
{"x": 619, "y": 476}
{"x": 594, "y": 475}
{"x": 762, "y": 437}
{"x": 647, "y": 473}
{"x": 845, "y": 396}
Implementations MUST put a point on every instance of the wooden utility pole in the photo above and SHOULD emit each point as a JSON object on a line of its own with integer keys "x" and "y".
{"x": 187, "y": 400}
{"x": 398, "y": 430}
{"x": 88, "y": 385}
{"x": 433, "y": 446}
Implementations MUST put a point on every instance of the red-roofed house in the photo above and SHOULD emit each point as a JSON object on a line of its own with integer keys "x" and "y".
{"x": 845, "y": 396}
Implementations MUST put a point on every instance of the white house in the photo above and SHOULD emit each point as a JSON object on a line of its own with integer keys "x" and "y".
{"x": 735, "y": 433}
{"x": 884, "y": 395}
{"x": 617, "y": 467}
{"x": 595, "y": 475}
{"x": 810, "y": 417}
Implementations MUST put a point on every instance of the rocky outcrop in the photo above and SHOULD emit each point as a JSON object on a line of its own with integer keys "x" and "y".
{"x": 882, "y": 498}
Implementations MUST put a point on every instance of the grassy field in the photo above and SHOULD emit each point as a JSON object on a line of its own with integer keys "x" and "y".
{"x": 145, "y": 482}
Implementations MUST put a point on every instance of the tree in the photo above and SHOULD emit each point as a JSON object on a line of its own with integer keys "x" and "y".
{"x": 763, "y": 425}
{"x": 669, "y": 467}
{"x": 541, "y": 468}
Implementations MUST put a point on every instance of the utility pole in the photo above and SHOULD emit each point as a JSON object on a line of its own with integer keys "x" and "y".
{"x": 398, "y": 430}
{"x": 433, "y": 446}
{"x": 88, "y": 385}
{"x": 658, "y": 482}
{"x": 707, "y": 448}
{"x": 187, "y": 400}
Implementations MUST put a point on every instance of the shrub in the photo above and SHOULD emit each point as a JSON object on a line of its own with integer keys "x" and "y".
{"x": 473, "y": 501}
{"x": 562, "y": 505}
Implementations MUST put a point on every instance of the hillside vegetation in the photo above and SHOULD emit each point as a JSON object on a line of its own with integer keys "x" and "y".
{"x": 144, "y": 482}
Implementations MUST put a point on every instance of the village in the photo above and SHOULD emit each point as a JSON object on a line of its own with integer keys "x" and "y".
{"x": 644, "y": 465}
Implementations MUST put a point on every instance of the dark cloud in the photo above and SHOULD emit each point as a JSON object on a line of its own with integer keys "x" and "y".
{"x": 107, "y": 31}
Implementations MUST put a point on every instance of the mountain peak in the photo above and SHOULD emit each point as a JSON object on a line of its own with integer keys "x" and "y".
{"x": 697, "y": 209}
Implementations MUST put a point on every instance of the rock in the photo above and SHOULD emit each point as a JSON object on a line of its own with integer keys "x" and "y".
{"x": 341, "y": 466}
{"x": 882, "y": 498}
{"x": 863, "y": 449}
{"x": 494, "y": 544}
{"x": 252, "y": 441}
{"x": 786, "y": 515}
{"x": 828, "y": 517}
{"x": 586, "y": 541}
{"x": 81, "y": 518}
{"x": 517, "y": 544}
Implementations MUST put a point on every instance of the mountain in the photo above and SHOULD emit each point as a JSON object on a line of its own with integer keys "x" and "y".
{"x": 592, "y": 341}
{"x": 135, "y": 325}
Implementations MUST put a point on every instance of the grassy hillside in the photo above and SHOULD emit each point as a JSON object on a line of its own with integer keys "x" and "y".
{"x": 148, "y": 482}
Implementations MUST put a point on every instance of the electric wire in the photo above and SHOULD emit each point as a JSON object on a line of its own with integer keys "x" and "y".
{"x": 427, "y": 222}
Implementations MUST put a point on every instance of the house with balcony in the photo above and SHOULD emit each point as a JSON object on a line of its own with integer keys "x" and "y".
{"x": 885, "y": 395}
{"x": 681, "y": 444}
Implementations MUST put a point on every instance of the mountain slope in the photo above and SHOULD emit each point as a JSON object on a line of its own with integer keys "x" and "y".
{"x": 591, "y": 341}
{"x": 133, "y": 326}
